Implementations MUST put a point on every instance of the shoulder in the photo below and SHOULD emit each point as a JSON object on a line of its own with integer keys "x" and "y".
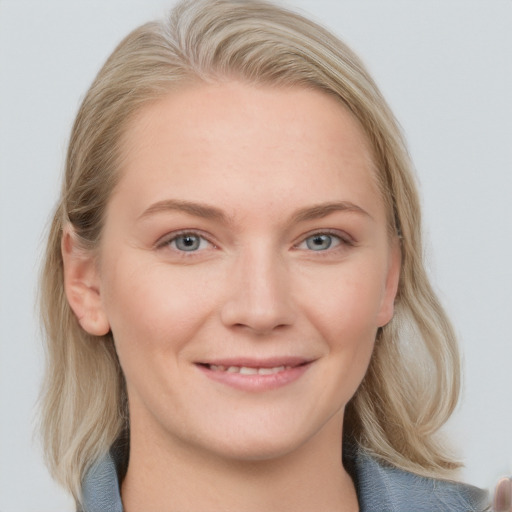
{"x": 383, "y": 487}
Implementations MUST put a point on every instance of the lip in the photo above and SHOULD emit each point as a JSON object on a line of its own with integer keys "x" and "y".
{"x": 292, "y": 369}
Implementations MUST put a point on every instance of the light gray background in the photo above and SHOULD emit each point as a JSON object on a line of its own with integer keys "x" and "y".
{"x": 446, "y": 69}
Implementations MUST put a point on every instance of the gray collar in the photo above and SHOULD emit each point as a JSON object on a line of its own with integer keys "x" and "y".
{"x": 380, "y": 488}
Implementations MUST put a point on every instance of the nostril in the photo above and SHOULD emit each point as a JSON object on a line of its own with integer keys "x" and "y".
{"x": 260, "y": 303}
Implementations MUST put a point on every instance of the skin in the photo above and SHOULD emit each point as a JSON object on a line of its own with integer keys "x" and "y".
{"x": 503, "y": 495}
{"x": 267, "y": 171}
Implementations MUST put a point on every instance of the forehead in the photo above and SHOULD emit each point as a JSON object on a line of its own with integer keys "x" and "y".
{"x": 205, "y": 109}
{"x": 208, "y": 140}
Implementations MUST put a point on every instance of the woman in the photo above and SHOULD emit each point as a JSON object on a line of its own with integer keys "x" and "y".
{"x": 233, "y": 292}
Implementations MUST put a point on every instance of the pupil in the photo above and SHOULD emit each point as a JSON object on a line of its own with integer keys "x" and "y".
{"x": 319, "y": 242}
{"x": 188, "y": 243}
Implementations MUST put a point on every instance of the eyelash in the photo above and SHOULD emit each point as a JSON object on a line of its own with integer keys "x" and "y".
{"x": 166, "y": 241}
{"x": 343, "y": 241}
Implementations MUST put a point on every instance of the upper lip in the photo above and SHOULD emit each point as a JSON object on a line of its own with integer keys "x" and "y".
{"x": 249, "y": 362}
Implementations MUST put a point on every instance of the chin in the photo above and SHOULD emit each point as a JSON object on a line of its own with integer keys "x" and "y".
{"x": 257, "y": 450}
{"x": 239, "y": 443}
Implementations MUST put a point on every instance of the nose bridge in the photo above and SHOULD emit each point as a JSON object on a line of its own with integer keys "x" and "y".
{"x": 259, "y": 290}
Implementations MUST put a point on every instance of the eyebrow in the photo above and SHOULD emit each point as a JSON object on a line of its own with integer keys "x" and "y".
{"x": 211, "y": 212}
{"x": 195, "y": 209}
{"x": 324, "y": 209}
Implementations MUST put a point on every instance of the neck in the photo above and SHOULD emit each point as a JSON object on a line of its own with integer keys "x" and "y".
{"x": 170, "y": 476}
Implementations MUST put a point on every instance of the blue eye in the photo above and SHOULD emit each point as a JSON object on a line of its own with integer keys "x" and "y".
{"x": 320, "y": 242}
{"x": 188, "y": 242}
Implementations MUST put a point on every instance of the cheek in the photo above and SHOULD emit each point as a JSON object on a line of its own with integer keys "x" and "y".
{"x": 350, "y": 334}
{"x": 153, "y": 308}
{"x": 346, "y": 303}
{"x": 345, "y": 311}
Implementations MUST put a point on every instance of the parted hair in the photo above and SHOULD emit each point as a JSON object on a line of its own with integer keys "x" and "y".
{"x": 412, "y": 383}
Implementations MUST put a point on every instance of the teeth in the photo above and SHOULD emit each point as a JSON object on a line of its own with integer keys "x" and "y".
{"x": 269, "y": 371}
{"x": 247, "y": 370}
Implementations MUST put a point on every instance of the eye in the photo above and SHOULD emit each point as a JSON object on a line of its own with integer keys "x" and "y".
{"x": 187, "y": 242}
{"x": 320, "y": 242}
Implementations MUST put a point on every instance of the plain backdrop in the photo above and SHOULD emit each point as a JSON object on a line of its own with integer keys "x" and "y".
{"x": 446, "y": 69}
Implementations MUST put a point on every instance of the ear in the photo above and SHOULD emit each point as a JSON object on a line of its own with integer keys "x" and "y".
{"x": 387, "y": 307}
{"x": 82, "y": 285}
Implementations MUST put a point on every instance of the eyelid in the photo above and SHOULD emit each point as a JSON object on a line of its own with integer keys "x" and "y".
{"x": 166, "y": 240}
{"x": 343, "y": 236}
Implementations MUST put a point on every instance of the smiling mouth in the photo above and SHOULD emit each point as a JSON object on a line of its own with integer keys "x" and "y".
{"x": 256, "y": 375}
{"x": 247, "y": 370}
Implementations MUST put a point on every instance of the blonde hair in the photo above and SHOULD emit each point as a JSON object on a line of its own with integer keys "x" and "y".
{"x": 412, "y": 384}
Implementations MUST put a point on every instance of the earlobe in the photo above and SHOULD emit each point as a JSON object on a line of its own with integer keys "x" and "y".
{"x": 82, "y": 285}
{"x": 391, "y": 287}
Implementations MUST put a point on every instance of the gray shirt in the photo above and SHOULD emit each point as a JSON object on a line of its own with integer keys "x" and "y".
{"x": 380, "y": 488}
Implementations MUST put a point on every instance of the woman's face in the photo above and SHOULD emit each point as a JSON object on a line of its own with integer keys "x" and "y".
{"x": 245, "y": 267}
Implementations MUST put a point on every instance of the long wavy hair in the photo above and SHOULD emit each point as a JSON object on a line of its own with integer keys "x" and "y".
{"x": 412, "y": 383}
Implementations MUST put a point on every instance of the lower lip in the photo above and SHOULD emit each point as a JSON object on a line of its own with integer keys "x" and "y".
{"x": 256, "y": 382}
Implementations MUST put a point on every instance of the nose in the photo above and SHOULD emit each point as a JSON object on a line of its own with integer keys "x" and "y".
{"x": 259, "y": 297}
